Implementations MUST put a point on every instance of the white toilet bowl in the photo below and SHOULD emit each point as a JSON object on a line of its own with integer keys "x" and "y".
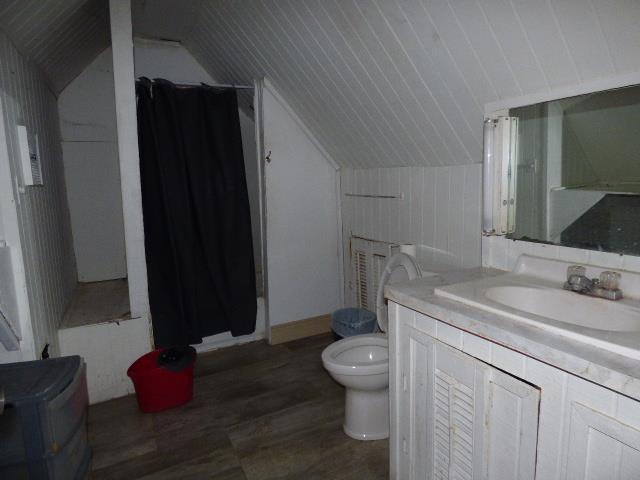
{"x": 361, "y": 364}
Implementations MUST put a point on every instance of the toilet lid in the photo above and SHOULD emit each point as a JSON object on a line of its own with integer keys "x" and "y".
{"x": 400, "y": 267}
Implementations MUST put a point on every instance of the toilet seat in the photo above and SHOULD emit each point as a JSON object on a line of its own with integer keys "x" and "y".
{"x": 358, "y": 355}
{"x": 361, "y": 363}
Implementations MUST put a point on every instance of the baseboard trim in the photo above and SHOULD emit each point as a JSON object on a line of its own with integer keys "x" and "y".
{"x": 300, "y": 329}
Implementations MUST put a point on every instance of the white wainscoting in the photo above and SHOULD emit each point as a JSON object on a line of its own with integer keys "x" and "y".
{"x": 42, "y": 213}
{"x": 502, "y": 253}
{"x": 440, "y": 209}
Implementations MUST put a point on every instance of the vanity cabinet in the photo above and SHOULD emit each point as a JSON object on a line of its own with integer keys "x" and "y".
{"x": 463, "y": 407}
{"x": 460, "y": 408}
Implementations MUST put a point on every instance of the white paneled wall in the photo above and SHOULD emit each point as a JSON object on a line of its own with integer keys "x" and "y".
{"x": 89, "y": 141}
{"x": 440, "y": 209}
{"x": 502, "y": 253}
{"x": 43, "y": 215}
{"x": 302, "y": 242}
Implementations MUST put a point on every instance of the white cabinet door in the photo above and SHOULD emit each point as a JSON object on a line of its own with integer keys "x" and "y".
{"x": 601, "y": 447}
{"x": 459, "y": 418}
{"x": 510, "y": 424}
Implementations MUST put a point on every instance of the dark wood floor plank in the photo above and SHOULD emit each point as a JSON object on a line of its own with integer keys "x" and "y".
{"x": 118, "y": 431}
{"x": 307, "y": 343}
{"x": 219, "y": 464}
{"x": 214, "y": 447}
{"x": 234, "y": 357}
{"x": 287, "y": 425}
{"x": 259, "y": 412}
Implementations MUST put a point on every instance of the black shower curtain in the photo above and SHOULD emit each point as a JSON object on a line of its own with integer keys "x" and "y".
{"x": 197, "y": 224}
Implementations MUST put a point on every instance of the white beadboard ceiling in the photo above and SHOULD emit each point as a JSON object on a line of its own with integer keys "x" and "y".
{"x": 164, "y": 19}
{"x": 404, "y": 82}
{"x": 61, "y": 36}
{"x": 380, "y": 83}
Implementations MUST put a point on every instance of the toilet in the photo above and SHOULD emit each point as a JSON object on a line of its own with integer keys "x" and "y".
{"x": 361, "y": 363}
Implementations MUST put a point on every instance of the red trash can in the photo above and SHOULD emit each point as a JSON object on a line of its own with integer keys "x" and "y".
{"x": 158, "y": 388}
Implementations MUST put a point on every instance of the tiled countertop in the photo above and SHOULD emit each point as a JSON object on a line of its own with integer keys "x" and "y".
{"x": 610, "y": 370}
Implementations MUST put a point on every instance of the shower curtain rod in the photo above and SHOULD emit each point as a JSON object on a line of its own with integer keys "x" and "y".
{"x": 220, "y": 85}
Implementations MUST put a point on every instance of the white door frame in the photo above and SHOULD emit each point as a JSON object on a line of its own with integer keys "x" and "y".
{"x": 260, "y": 155}
{"x": 127, "y": 128}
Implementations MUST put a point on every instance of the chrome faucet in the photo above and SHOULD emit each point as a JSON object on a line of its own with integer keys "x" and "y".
{"x": 604, "y": 287}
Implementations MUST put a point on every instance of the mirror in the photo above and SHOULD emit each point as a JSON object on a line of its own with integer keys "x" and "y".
{"x": 578, "y": 172}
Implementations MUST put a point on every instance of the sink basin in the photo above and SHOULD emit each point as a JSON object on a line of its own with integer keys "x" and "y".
{"x": 563, "y": 306}
{"x": 532, "y": 294}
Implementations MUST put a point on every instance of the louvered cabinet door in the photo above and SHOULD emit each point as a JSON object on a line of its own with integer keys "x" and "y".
{"x": 460, "y": 418}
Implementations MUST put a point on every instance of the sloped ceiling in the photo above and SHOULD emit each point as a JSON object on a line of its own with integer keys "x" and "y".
{"x": 404, "y": 82}
{"x": 164, "y": 19}
{"x": 61, "y": 36}
{"x": 379, "y": 82}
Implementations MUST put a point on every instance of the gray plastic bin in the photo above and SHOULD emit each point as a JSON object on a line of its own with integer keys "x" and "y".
{"x": 347, "y": 322}
{"x": 43, "y": 430}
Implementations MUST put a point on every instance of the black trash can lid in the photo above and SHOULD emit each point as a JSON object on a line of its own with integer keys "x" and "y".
{"x": 177, "y": 359}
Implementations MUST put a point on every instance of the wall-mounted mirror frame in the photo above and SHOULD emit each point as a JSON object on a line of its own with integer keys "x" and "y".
{"x": 591, "y": 212}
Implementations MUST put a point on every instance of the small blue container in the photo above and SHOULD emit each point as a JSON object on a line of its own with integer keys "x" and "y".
{"x": 348, "y": 322}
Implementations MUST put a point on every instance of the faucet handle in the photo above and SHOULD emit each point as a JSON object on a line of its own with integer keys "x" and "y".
{"x": 577, "y": 279}
{"x": 576, "y": 270}
{"x": 609, "y": 280}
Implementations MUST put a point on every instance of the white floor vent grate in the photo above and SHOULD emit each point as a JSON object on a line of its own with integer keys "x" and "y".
{"x": 360, "y": 259}
{"x": 368, "y": 258}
